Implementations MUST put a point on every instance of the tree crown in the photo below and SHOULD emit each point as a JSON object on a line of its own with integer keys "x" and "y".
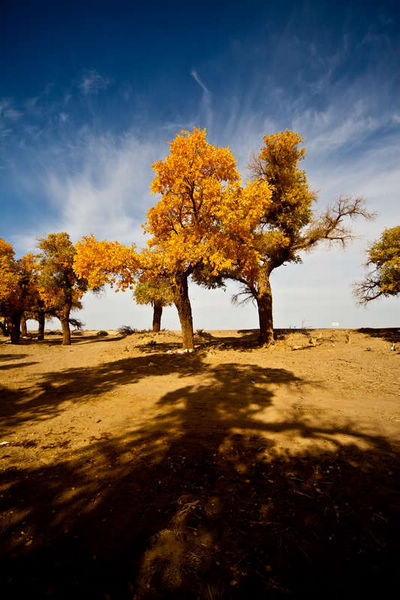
{"x": 58, "y": 283}
{"x": 100, "y": 262}
{"x": 384, "y": 258}
{"x": 278, "y": 164}
{"x": 17, "y": 280}
{"x": 204, "y": 216}
{"x": 154, "y": 291}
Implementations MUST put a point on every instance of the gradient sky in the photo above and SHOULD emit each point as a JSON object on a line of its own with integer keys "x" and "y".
{"x": 91, "y": 91}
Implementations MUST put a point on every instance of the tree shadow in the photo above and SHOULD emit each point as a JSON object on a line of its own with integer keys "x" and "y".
{"x": 6, "y": 357}
{"x": 200, "y": 503}
{"x": 16, "y": 365}
{"x": 46, "y": 399}
{"x": 75, "y": 340}
{"x": 205, "y": 340}
{"x": 389, "y": 334}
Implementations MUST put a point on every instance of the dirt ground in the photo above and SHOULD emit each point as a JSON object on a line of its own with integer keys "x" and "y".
{"x": 127, "y": 472}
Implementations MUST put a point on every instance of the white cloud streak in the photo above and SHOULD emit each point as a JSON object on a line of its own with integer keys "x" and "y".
{"x": 9, "y": 114}
{"x": 108, "y": 194}
{"x": 92, "y": 83}
{"x": 206, "y": 112}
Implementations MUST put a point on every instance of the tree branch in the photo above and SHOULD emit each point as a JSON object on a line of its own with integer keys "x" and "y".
{"x": 367, "y": 290}
{"x": 330, "y": 227}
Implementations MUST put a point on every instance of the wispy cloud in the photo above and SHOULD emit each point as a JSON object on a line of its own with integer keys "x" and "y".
{"x": 99, "y": 184}
{"x": 8, "y": 110}
{"x": 92, "y": 83}
{"x": 9, "y": 114}
{"x": 206, "y": 109}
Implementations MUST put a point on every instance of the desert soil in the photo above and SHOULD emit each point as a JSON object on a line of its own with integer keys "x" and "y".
{"x": 128, "y": 471}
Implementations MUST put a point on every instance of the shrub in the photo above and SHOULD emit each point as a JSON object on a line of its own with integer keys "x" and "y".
{"x": 126, "y": 330}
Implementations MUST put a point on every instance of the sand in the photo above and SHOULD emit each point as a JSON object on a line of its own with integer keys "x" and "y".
{"x": 233, "y": 472}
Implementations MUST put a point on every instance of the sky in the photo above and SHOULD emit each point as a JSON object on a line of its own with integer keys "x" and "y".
{"x": 92, "y": 91}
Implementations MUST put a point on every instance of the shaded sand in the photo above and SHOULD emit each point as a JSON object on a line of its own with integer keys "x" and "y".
{"x": 232, "y": 472}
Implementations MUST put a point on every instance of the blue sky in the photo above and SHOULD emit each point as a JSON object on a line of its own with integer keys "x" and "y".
{"x": 91, "y": 91}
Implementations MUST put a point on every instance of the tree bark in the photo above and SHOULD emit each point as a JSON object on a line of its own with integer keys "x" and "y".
{"x": 15, "y": 328}
{"x": 3, "y": 326}
{"x": 157, "y": 312}
{"x": 24, "y": 331}
{"x": 41, "y": 324}
{"x": 264, "y": 305}
{"x": 64, "y": 319}
{"x": 182, "y": 303}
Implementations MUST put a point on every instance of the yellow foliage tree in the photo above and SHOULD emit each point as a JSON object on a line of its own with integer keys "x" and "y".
{"x": 204, "y": 218}
{"x": 17, "y": 286}
{"x": 384, "y": 258}
{"x": 156, "y": 292}
{"x": 60, "y": 288}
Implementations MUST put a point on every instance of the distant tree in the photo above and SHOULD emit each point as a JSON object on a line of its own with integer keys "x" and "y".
{"x": 17, "y": 287}
{"x": 37, "y": 308}
{"x": 384, "y": 258}
{"x": 36, "y": 313}
{"x": 60, "y": 288}
{"x": 288, "y": 225}
{"x": 102, "y": 262}
{"x": 157, "y": 293}
{"x": 4, "y": 325}
{"x": 23, "y": 328}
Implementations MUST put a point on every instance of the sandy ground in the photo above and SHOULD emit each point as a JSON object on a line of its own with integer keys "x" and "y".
{"x": 232, "y": 472}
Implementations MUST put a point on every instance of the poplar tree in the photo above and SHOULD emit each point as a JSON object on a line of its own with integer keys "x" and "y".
{"x": 289, "y": 225}
{"x": 17, "y": 287}
{"x": 158, "y": 294}
{"x": 384, "y": 261}
{"x": 60, "y": 288}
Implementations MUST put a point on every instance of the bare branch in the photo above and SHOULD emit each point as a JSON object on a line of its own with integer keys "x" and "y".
{"x": 244, "y": 296}
{"x": 368, "y": 289}
{"x": 330, "y": 226}
{"x": 256, "y": 166}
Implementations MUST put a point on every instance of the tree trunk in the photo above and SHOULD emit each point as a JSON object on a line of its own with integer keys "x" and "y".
{"x": 41, "y": 324}
{"x": 157, "y": 312}
{"x": 182, "y": 303}
{"x": 264, "y": 305}
{"x": 15, "y": 328}
{"x": 24, "y": 331}
{"x": 64, "y": 319}
{"x": 3, "y": 326}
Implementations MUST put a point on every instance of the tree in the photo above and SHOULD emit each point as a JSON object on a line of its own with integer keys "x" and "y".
{"x": 204, "y": 220}
{"x": 384, "y": 258}
{"x": 158, "y": 294}
{"x": 23, "y": 328}
{"x": 60, "y": 288}
{"x": 37, "y": 313}
{"x": 17, "y": 287}
{"x": 204, "y": 217}
{"x": 288, "y": 225}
